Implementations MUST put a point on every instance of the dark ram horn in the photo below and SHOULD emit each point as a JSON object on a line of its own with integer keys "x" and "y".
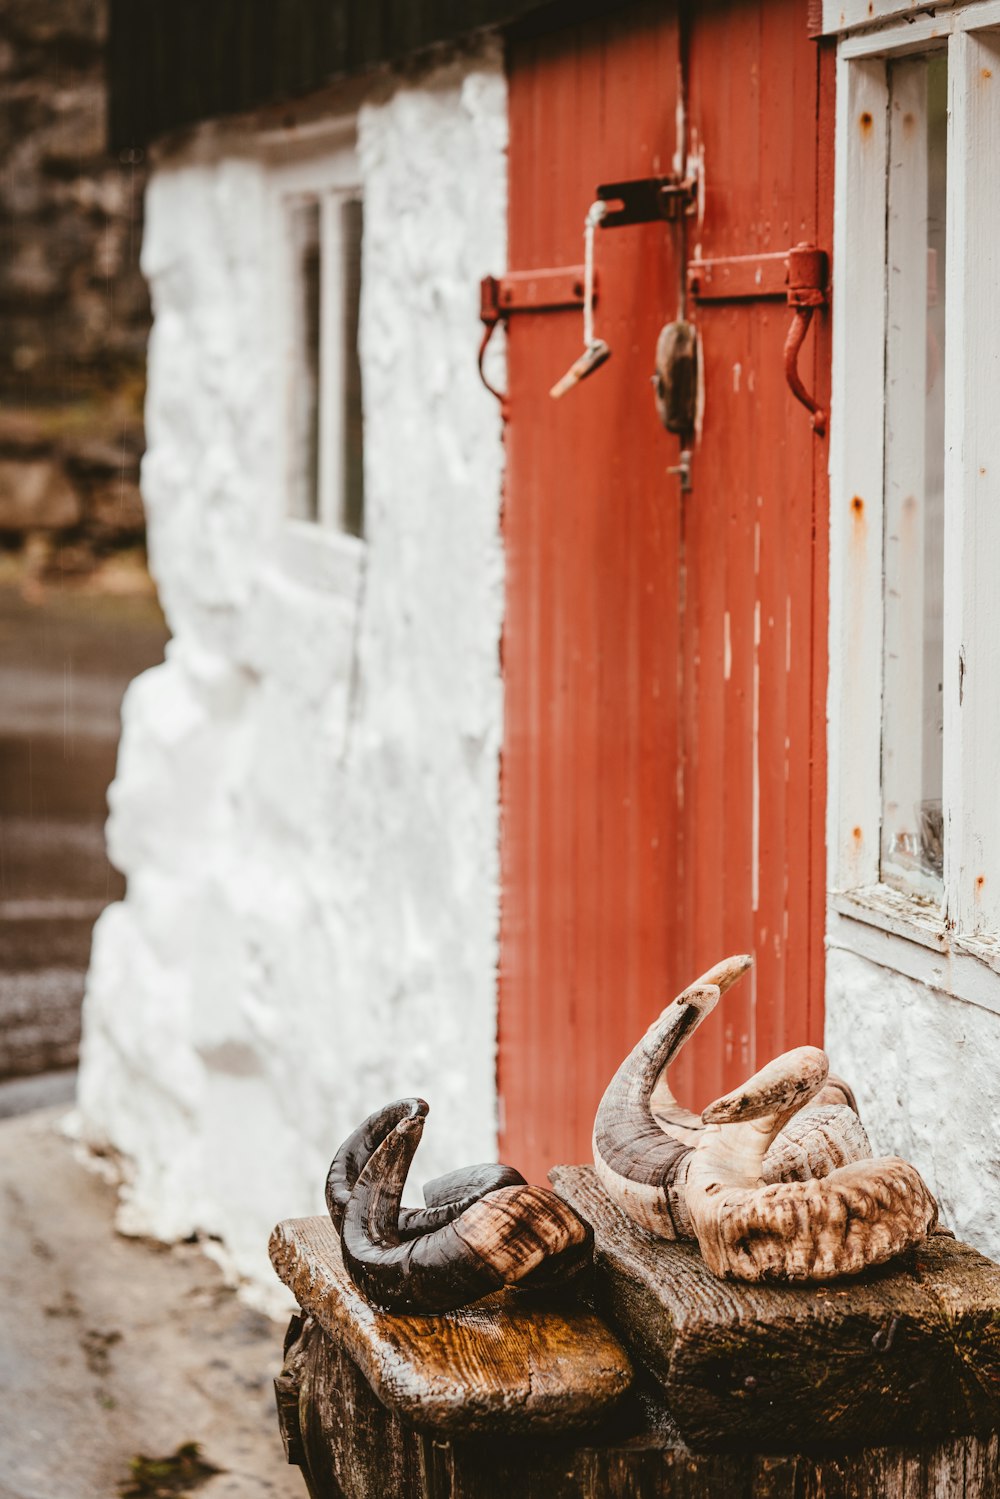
{"x": 446, "y": 1196}
{"x": 499, "y": 1240}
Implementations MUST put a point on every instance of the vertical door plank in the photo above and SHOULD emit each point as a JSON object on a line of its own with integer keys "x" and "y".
{"x": 664, "y": 671}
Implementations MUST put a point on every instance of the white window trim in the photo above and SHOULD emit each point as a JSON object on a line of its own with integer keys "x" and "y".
{"x": 319, "y": 157}
{"x": 957, "y": 950}
{"x": 933, "y": 17}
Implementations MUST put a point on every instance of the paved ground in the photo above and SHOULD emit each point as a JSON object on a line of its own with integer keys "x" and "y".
{"x": 112, "y": 1348}
{"x": 65, "y": 661}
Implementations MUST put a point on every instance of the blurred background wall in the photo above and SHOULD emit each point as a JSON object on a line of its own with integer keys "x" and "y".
{"x": 307, "y": 798}
{"x": 78, "y": 615}
{"x": 74, "y": 311}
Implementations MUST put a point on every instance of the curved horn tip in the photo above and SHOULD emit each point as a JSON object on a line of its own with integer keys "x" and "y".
{"x": 726, "y": 973}
{"x": 836, "y": 1091}
{"x": 701, "y": 996}
{"x": 792, "y": 1078}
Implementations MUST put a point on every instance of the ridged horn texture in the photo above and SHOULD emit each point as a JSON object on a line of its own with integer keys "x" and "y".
{"x": 820, "y": 1139}
{"x": 861, "y": 1214}
{"x": 641, "y": 1159}
{"x": 507, "y": 1236}
{"x": 643, "y": 1137}
{"x": 446, "y": 1196}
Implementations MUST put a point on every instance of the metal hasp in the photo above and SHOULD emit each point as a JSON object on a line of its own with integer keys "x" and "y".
{"x": 526, "y": 291}
{"x": 800, "y": 276}
{"x": 647, "y": 199}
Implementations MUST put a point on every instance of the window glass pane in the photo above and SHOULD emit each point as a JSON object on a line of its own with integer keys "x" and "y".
{"x": 304, "y": 332}
{"x": 914, "y": 477}
{"x": 352, "y": 509}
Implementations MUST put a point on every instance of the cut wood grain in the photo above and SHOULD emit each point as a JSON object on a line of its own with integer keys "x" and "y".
{"x": 508, "y": 1363}
{"x": 913, "y": 1347}
{"x": 355, "y": 1448}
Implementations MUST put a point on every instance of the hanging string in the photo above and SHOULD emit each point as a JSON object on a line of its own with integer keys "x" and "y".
{"x": 595, "y": 350}
{"x": 595, "y": 214}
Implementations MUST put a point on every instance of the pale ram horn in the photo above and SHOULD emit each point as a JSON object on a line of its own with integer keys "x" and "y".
{"x": 861, "y": 1214}
{"x": 643, "y": 1138}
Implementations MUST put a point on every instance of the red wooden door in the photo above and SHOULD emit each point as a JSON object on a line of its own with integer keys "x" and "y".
{"x": 664, "y": 654}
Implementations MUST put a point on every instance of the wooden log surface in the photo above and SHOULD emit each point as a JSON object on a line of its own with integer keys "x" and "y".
{"x": 911, "y": 1347}
{"x": 353, "y": 1447}
{"x": 511, "y": 1362}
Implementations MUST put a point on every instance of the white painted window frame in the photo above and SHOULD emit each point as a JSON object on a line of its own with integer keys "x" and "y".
{"x": 313, "y": 160}
{"x": 955, "y": 948}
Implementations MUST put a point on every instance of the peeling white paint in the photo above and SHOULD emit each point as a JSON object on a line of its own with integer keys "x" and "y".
{"x": 306, "y": 804}
{"x": 924, "y": 1067}
{"x": 912, "y": 1000}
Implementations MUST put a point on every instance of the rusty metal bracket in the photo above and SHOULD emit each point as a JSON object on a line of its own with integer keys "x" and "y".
{"x": 799, "y": 277}
{"x": 647, "y": 199}
{"x": 548, "y": 290}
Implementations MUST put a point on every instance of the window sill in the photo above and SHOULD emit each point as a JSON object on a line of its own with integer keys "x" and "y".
{"x": 908, "y": 935}
{"x": 913, "y": 917}
{"x": 329, "y": 561}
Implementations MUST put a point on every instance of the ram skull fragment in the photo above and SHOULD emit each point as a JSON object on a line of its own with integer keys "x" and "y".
{"x": 862, "y": 1213}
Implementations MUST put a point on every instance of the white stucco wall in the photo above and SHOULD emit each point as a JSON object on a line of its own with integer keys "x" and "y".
{"x": 306, "y": 804}
{"x": 924, "y": 1066}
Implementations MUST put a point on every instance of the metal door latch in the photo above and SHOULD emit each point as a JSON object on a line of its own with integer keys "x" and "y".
{"x": 526, "y": 291}
{"x": 644, "y": 200}
{"x": 683, "y": 470}
{"x": 799, "y": 276}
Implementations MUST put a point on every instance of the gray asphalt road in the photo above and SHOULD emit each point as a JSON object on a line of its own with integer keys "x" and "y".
{"x": 113, "y": 1348}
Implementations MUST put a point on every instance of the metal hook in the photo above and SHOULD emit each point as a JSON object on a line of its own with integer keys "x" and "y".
{"x": 807, "y": 271}
{"x": 793, "y": 343}
{"x": 487, "y": 335}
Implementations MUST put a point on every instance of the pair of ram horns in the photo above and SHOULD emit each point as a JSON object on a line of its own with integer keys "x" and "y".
{"x": 776, "y": 1180}
{"x": 483, "y": 1227}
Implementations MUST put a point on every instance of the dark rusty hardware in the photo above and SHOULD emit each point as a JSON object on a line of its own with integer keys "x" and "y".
{"x": 675, "y": 383}
{"x": 807, "y": 282}
{"x": 648, "y": 199}
{"x": 739, "y": 278}
{"x": 799, "y": 276}
{"x": 683, "y": 470}
{"x": 526, "y": 291}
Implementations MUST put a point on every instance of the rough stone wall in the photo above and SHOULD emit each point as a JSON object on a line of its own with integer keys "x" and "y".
{"x": 924, "y": 1067}
{"x": 306, "y": 804}
{"x": 74, "y": 311}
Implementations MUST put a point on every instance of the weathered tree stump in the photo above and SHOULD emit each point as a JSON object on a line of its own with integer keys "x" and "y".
{"x": 506, "y": 1364}
{"x": 912, "y": 1346}
{"x": 883, "y": 1388}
